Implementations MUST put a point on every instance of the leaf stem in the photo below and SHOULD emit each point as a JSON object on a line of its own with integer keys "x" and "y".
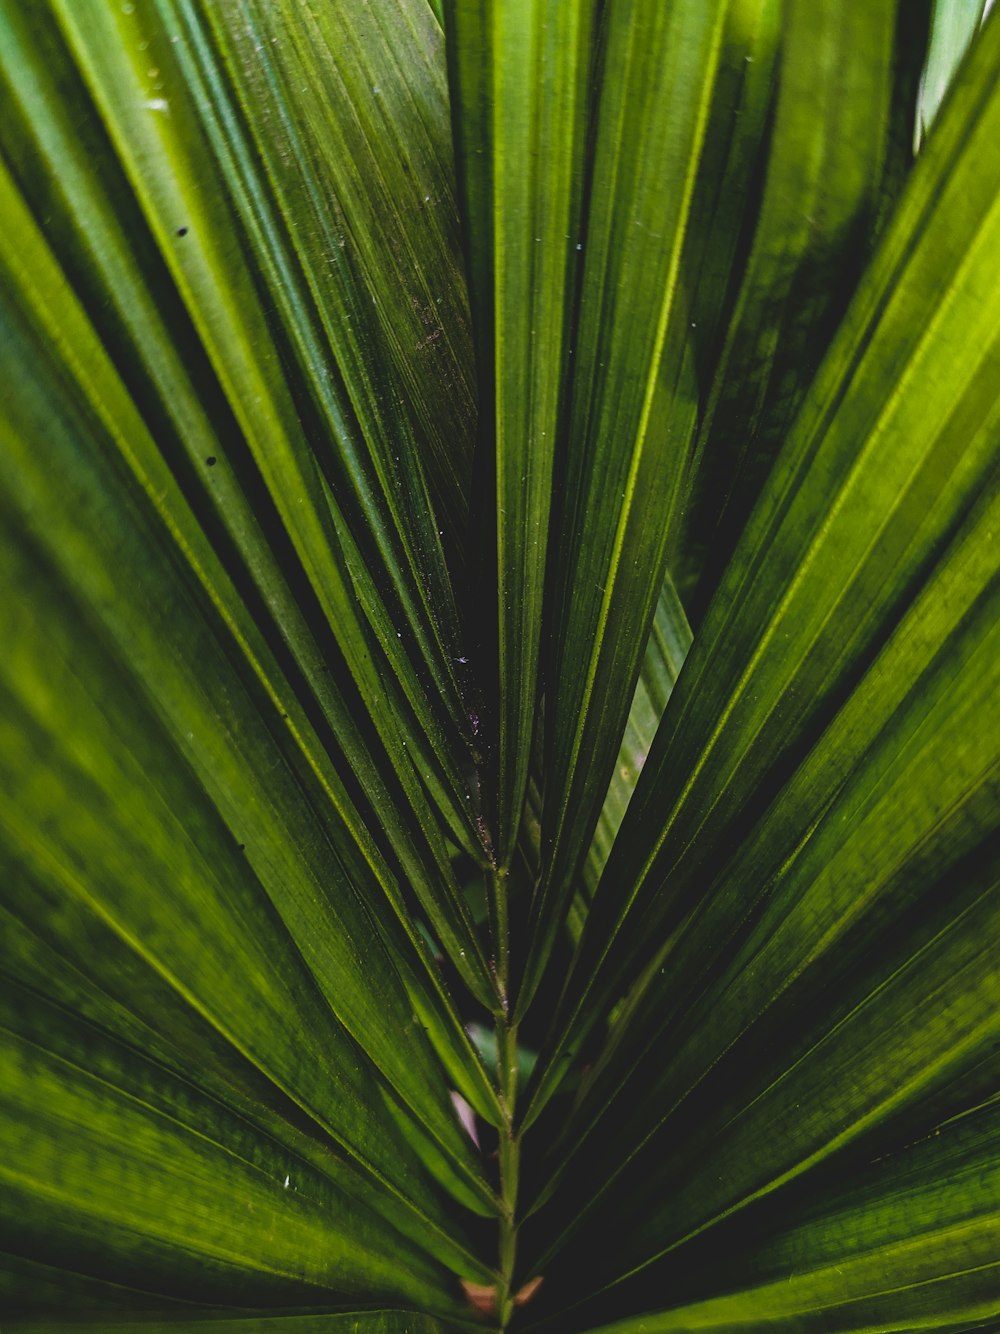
{"x": 509, "y": 1155}
{"x": 496, "y": 892}
{"x": 509, "y": 1144}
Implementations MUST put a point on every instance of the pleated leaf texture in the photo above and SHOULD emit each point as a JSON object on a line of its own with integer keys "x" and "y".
{"x": 499, "y": 666}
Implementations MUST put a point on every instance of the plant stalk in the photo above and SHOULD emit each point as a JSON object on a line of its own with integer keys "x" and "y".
{"x": 496, "y": 895}
{"x": 509, "y": 1145}
{"x": 509, "y": 1155}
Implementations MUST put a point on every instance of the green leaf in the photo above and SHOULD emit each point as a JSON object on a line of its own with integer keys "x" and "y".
{"x": 42, "y": 291}
{"x": 818, "y": 881}
{"x": 48, "y": 965}
{"x": 159, "y": 869}
{"x": 205, "y": 281}
{"x": 386, "y": 385}
{"x": 910, "y": 1243}
{"x": 111, "y": 1153}
{"x": 669, "y": 641}
{"x": 621, "y": 485}
{"x": 886, "y": 461}
{"x": 167, "y": 156}
{"x": 350, "y": 838}
{"x": 825, "y": 161}
{"x": 366, "y": 1321}
{"x": 724, "y": 204}
{"x": 519, "y": 76}
{"x": 219, "y": 729}
{"x": 912, "y": 40}
{"x": 387, "y": 205}
{"x": 208, "y": 733}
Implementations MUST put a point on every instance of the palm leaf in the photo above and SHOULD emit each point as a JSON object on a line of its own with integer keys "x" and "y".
{"x": 899, "y": 467}
{"x": 619, "y": 494}
{"x": 911, "y": 1244}
{"x": 407, "y": 921}
{"x": 827, "y": 151}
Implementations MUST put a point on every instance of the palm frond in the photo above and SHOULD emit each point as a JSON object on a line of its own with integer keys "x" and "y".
{"x": 501, "y": 647}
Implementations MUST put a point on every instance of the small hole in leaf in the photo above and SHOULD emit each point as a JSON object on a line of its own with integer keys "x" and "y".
{"x": 211, "y": 460}
{"x": 182, "y": 231}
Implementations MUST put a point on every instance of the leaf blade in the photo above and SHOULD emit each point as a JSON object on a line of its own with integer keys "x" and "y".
{"x": 658, "y": 67}
{"x": 941, "y": 459}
